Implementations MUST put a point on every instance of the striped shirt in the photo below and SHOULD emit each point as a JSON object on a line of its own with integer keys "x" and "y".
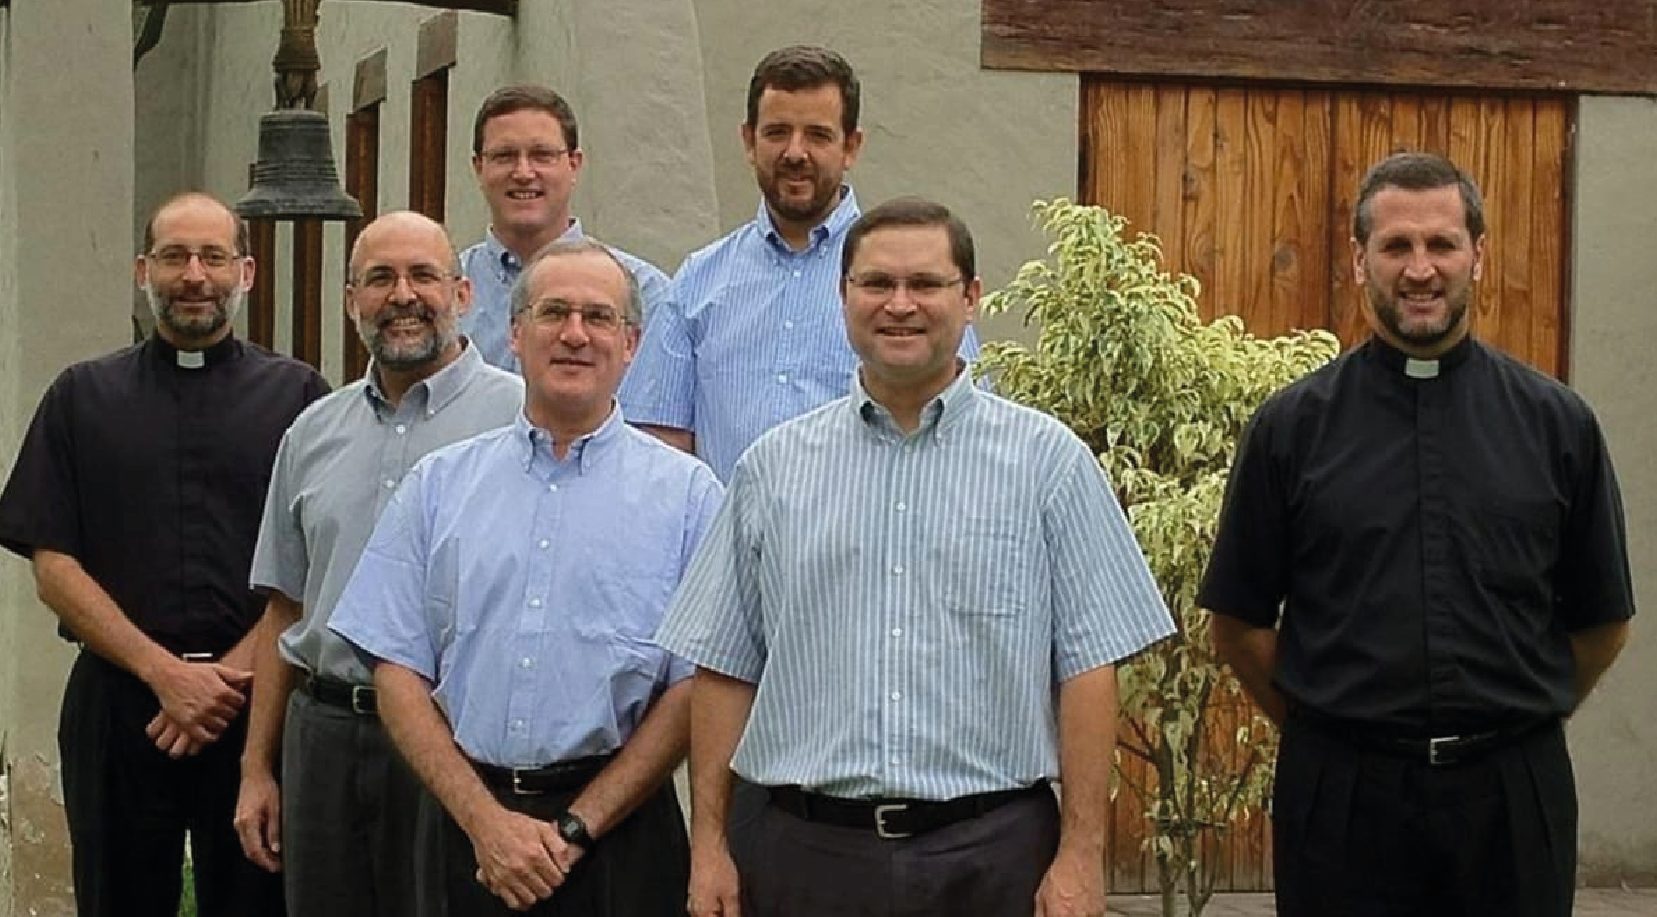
{"x": 907, "y": 604}
{"x": 335, "y": 472}
{"x": 494, "y": 270}
{"x": 528, "y": 588}
{"x": 751, "y": 335}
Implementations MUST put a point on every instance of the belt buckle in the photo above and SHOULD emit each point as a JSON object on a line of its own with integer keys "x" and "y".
{"x": 1433, "y": 746}
{"x": 359, "y": 705}
{"x": 885, "y": 809}
{"x": 518, "y": 788}
{"x": 196, "y": 657}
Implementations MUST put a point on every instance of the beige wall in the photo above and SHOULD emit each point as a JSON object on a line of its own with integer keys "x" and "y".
{"x": 1613, "y": 330}
{"x": 65, "y": 279}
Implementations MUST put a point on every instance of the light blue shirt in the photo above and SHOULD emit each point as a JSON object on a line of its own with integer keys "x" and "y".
{"x": 335, "y": 472}
{"x": 907, "y": 605}
{"x": 751, "y": 335}
{"x": 528, "y": 589}
{"x": 493, "y": 271}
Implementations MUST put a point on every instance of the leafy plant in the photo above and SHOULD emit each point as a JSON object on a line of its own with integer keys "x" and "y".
{"x": 1123, "y": 357}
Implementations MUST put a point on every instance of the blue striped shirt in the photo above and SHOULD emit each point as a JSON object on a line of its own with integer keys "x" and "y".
{"x": 493, "y": 271}
{"x": 907, "y": 604}
{"x": 527, "y": 589}
{"x": 751, "y": 335}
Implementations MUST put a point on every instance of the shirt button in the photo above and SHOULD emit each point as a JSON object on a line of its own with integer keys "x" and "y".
{"x": 517, "y": 724}
{"x": 895, "y": 761}
{"x": 389, "y": 484}
{"x": 783, "y": 378}
{"x": 788, "y": 324}
{"x": 796, "y": 273}
{"x": 896, "y": 696}
{"x": 901, "y": 506}
{"x": 525, "y": 662}
{"x": 897, "y": 631}
{"x": 897, "y": 569}
{"x": 535, "y": 603}
{"x": 544, "y": 543}
{"x": 553, "y": 488}
{"x": 402, "y": 428}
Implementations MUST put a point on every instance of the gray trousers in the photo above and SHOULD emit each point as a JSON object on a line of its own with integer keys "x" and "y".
{"x": 989, "y": 866}
{"x": 358, "y": 827}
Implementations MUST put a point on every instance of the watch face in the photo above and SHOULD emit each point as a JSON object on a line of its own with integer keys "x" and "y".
{"x": 574, "y": 831}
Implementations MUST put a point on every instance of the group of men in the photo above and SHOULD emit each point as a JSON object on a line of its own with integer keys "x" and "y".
{"x": 492, "y": 606}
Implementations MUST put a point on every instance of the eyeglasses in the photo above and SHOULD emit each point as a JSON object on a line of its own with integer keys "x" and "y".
{"x": 881, "y": 287}
{"x": 553, "y": 313}
{"x": 422, "y": 278}
{"x": 507, "y": 156}
{"x": 177, "y": 257}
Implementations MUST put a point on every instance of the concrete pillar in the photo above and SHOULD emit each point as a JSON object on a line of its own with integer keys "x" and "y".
{"x": 66, "y": 153}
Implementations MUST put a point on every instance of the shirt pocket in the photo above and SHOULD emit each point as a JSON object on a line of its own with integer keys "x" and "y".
{"x": 980, "y": 565}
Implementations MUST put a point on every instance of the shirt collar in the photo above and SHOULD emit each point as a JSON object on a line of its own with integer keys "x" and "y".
{"x": 839, "y": 220}
{"x": 533, "y": 441}
{"x": 228, "y": 348}
{"x": 506, "y": 263}
{"x": 1396, "y": 361}
{"x": 939, "y": 417}
{"x": 440, "y": 387}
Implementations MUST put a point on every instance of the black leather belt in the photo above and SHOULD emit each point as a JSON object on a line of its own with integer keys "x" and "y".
{"x": 1438, "y": 751}
{"x": 337, "y": 693}
{"x": 894, "y": 818}
{"x": 552, "y": 778}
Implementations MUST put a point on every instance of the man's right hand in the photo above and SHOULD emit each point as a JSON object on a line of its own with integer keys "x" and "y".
{"x": 714, "y": 887}
{"x": 514, "y": 857}
{"x": 201, "y": 697}
{"x": 258, "y": 820}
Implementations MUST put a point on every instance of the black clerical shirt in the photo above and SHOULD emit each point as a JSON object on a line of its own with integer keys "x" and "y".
{"x": 1430, "y": 533}
{"x": 152, "y": 474}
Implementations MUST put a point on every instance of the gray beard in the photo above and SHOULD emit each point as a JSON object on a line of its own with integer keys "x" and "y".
{"x": 228, "y": 308}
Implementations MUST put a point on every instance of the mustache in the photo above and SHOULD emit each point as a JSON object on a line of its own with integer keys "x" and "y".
{"x": 417, "y": 310}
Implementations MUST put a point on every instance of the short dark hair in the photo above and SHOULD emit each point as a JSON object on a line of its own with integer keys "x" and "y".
{"x": 800, "y": 67}
{"x": 241, "y": 224}
{"x": 1413, "y": 171}
{"x": 913, "y": 211}
{"x": 508, "y": 99}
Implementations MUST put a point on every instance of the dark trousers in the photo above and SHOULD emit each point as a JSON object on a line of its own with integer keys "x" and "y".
{"x": 1362, "y": 833}
{"x": 130, "y": 806}
{"x": 358, "y": 828}
{"x": 988, "y": 866}
{"x": 640, "y": 868}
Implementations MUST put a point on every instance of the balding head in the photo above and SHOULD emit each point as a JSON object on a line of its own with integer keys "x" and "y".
{"x": 404, "y": 227}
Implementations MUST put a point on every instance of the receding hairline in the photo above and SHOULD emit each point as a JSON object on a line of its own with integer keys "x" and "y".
{"x": 187, "y": 198}
{"x": 400, "y": 219}
{"x": 554, "y": 254}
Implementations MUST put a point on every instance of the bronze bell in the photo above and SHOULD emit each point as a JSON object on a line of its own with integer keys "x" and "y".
{"x": 295, "y": 176}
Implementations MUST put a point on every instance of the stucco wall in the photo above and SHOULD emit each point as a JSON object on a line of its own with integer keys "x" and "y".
{"x": 1613, "y": 330}
{"x": 65, "y": 274}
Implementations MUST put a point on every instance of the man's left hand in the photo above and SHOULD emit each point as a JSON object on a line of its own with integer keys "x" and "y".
{"x": 171, "y": 738}
{"x": 1074, "y": 885}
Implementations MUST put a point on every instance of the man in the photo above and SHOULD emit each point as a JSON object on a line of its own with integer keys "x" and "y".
{"x": 1420, "y": 570}
{"x": 750, "y": 335}
{"x": 136, "y": 499}
{"x": 344, "y": 827}
{"x": 899, "y": 587}
{"x": 526, "y": 154}
{"x": 509, "y": 596}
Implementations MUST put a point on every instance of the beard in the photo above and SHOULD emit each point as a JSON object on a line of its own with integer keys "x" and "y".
{"x": 401, "y": 353}
{"x": 1390, "y": 314}
{"x": 814, "y": 209}
{"x": 189, "y": 327}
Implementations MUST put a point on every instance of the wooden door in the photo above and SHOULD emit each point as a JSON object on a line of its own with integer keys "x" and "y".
{"x": 1250, "y": 189}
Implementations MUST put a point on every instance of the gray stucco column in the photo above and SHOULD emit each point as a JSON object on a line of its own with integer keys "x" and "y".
{"x": 66, "y": 153}
{"x": 1613, "y": 329}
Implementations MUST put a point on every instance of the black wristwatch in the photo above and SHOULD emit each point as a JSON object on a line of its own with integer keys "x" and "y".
{"x": 573, "y": 830}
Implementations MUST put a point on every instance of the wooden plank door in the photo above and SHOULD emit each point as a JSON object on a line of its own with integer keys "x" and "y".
{"x": 1250, "y": 189}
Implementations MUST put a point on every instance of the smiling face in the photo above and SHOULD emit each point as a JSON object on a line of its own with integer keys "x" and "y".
{"x": 1418, "y": 268}
{"x": 404, "y": 296}
{"x": 573, "y": 366}
{"x": 800, "y": 153}
{"x": 527, "y": 172}
{"x": 907, "y": 307}
{"x": 193, "y": 275}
